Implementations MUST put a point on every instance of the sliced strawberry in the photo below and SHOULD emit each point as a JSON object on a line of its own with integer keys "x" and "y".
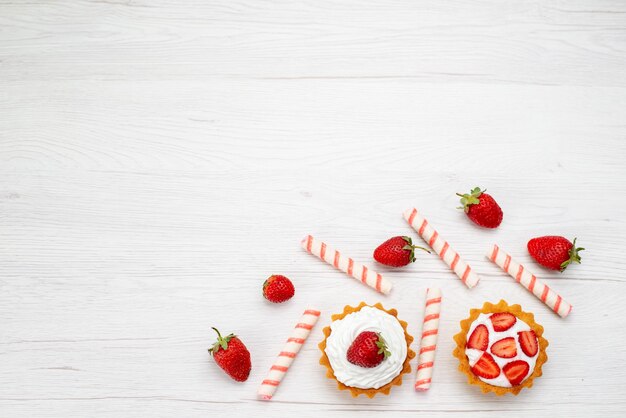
{"x": 479, "y": 338}
{"x": 528, "y": 342}
{"x": 486, "y": 367}
{"x": 502, "y": 321}
{"x": 516, "y": 371}
{"x": 505, "y": 348}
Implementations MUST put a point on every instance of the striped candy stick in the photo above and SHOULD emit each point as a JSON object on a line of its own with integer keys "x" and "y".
{"x": 430, "y": 329}
{"x": 524, "y": 277}
{"x": 441, "y": 247}
{"x": 288, "y": 354}
{"x": 359, "y": 271}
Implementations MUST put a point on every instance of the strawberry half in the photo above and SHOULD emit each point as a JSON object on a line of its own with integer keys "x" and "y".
{"x": 486, "y": 367}
{"x": 232, "y": 356}
{"x": 502, "y": 321}
{"x": 278, "y": 289}
{"x": 504, "y": 348}
{"x": 397, "y": 251}
{"x": 368, "y": 350}
{"x": 479, "y": 339}
{"x": 481, "y": 208}
{"x": 554, "y": 252}
{"x": 528, "y": 342}
{"x": 516, "y": 371}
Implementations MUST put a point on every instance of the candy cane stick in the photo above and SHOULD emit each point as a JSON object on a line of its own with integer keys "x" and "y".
{"x": 430, "y": 329}
{"x": 441, "y": 247}
{"x": 524, "y": 277}
{"x": 346, "y": 264}
{"x": 288, "y": 354}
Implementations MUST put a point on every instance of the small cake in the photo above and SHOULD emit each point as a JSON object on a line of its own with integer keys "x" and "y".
{"x": 366, "y": 350}
{"x": 501, "y": 348}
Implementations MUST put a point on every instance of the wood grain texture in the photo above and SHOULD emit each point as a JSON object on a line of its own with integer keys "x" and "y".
{"x": 159, "y": 159}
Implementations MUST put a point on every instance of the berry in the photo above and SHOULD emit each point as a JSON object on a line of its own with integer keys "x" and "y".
{"x": 479, "y": 339}
{"x": 232, "y": 356}
{"x": 396, "y": 252}
{"x": 368, "y": 350}
{"x": 278, "y": 289}
{"x": 528, "y": 342}
{"x": 505, "y": 348}
{"x": 502, "y": 321}
{"x": 481, "y": 208}
{"x": 516, "y": 371}
{"x": 486, "y": 367}
{"x": 554, "y": 252}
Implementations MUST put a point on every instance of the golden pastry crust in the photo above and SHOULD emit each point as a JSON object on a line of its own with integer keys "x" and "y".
{"x": 461, "y": 340}
{"x": 370, "y": 393}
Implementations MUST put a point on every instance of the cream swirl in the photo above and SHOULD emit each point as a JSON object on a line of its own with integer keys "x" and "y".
{"x": 344, "y": 332}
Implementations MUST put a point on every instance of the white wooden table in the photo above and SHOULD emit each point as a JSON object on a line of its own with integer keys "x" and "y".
{"x": 159, "y": 159}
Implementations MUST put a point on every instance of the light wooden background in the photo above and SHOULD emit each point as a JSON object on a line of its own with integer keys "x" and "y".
{"x": 159, "y": 159}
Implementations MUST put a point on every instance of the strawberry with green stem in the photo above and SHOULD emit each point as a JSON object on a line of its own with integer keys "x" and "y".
{"x": 232, "y": 356}
{"x": 397, "y": 251}
{"x": 481, "y": 208}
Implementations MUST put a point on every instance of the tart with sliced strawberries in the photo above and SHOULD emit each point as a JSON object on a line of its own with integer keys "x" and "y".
{"x": 501, "y": 348}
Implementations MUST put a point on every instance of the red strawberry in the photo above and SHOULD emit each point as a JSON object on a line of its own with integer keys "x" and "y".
{"x": 278, "y": 289}
{"x": 554, "y": 252}
{"x": 502, "y": 321}
{"x": 486, "y": 367}
{"x": 232, "y": 356}
{"x": 516, "y": 371}
{"x": 505, "y": 348}
{"x": 479, "y": 338}
{"x": 481, "y": 208}
{"x": 528, "y": 342}
{"x": 396, "y": 252}
{"x": 368, "y": 349}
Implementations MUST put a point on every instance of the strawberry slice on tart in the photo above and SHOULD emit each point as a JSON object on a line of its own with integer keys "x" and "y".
{"x": 528, "y": 342}
{"x": 516, "y": 371}
{"x": 504, "y": 348}
{"x": 502, "y": 321}
{"x": 486, "y": 367}
{"x": 479, "y": 339}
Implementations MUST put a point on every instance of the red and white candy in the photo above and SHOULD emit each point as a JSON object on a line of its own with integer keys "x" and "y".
{"x": 527, "y": 279}
{"x": 430, "y": 330}
{"x": 356, "y": 270}
{"x": 441, "y": 247}
{"x": 288, "y": 354}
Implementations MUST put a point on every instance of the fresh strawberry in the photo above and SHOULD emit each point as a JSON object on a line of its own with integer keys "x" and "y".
{"x": 479, "y": 338}
{"x": 502, "y": 321}
{"x": 516, "y": 371}
{"x": 481, "y": 208}
{"x": 278, "y": 289}
{"x": 554, "y": 252}
{"x": 396, "y": 252}
{"x": 232, "y": 356}
{"x": 486, "y": 367}
{"x": 528, "y": 342}
{"x": 368, "y": 350}
{"x": 505, "y": 348}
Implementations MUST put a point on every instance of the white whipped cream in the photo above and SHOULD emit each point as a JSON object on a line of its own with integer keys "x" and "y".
{"x": 474, "y": 355}
{"x": 344, "y": 332}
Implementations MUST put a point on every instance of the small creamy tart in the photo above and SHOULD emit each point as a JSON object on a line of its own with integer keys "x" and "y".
{"x": 343, "y": 333}
{"x": 513, "y": 346}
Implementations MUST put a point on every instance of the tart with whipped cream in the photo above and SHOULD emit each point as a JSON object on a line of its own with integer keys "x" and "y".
{"x": 501, "y": 348}
{"x": 366, "y": 349}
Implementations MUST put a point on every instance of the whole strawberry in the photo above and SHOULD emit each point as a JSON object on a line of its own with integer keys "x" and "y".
{"x": 481, "y": 208}
{"x": 396, "y": 252}
{"x": 232, "y": 356}
{"x": 554, "y": 252}
{"x": 368, "y": 350}
{"x": 278, "y": 289}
